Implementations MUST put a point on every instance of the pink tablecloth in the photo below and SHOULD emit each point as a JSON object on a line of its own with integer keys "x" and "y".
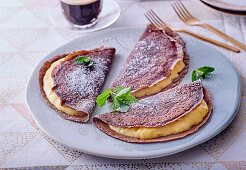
{"x": 26, "y": 36}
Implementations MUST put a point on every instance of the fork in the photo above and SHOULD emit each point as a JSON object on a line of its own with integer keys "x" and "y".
{"x": 188, "y": 19}
{"x": 160, "y": 24}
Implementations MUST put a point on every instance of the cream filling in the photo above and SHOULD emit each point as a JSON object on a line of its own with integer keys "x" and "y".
{"x": 180, "y": 125}
{"x": 162, "y": 84}
{"x": 48, "y": 84}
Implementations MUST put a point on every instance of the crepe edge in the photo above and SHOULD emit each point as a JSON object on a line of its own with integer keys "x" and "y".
{"x": 81, "y": 118}
{"x": 186, "y": 57}
{"x": 42, "y": 72}
{"x": 178, "y": 79}
{"x": 106, "y": 129}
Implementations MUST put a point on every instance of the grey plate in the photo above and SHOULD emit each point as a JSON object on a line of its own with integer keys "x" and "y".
{"x": 224, "y": 85}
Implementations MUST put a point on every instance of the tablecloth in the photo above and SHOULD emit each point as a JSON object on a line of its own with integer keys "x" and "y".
{"x": 27, "y": 35}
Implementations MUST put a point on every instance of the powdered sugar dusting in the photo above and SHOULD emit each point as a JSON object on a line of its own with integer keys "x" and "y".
{"x": 170, "y": 96}
{"x": 141, "y": 60}
{"x": 79, "y": 85}
{"x": 81, "y": 80}
{"x": 150, "y": 61}
{"x": 159, "y": 109}
{"x": 98, "y": 142}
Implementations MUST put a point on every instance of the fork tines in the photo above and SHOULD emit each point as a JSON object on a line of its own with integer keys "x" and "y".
{"x": 181, "y": 11}
{"x": 154, "y": 19}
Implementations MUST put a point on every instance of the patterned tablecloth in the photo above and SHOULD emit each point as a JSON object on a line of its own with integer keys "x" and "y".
{"x": 26, "y": 36}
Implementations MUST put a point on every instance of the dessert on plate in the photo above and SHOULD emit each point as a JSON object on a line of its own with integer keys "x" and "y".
{"x": 168, "y": 115}
{"x": 70, "y": 83}
{"x": 158, "y": 62}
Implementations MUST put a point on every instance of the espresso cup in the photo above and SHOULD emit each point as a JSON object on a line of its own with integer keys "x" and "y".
{"x": 81, "y": 13}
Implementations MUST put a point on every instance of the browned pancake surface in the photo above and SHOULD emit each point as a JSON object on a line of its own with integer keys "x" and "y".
{"x": 152, "y": 59}
{"x": 78, "y": 85}
{"x": 158, "y": 111}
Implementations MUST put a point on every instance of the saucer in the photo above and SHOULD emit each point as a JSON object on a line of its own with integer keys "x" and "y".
{"x": 110, "y": 13}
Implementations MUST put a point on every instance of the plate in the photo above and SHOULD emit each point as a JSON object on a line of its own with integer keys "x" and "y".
{"x": 110, "y": 13}
{"x": 224, "y": 85}
{"x": 237, "y": 7}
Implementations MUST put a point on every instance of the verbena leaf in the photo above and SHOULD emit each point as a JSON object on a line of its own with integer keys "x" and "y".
{"x": 84, "y": 60}
{"x": 101, "y": 99}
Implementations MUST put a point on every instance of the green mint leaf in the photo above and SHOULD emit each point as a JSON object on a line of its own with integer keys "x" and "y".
{"x": 123, "y": 108}
{"x": 125, "y": 97}
{"x": 202, "y": 71}
{"x": 84, "y": 60}
{"x": 128, "y": 99}
{"x": 123, "y": 92}
{"x": 122, "y": 99}
{"x": 193, "y": 77}
{"x": 115, "y": 104}
{"x": 206, "y": 69}
{"x": 117, "y": 89}
{"x": 101, "y": 99}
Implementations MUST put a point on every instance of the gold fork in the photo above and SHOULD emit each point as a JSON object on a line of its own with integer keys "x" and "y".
{"x": 188, "y": 19}
{"x": 160, "y": 24}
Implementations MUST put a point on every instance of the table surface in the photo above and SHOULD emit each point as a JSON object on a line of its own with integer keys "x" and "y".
{"x": 26, "y": 36}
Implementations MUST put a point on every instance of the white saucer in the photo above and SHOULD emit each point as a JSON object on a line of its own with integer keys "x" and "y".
{"x": 110, "y": 13}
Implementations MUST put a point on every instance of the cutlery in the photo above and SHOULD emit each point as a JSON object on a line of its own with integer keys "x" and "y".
{"x": 189, "y": 19}
{"x": 161, "y": 25}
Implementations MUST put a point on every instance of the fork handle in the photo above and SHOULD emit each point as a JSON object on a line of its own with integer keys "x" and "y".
{"x": 228, "y": 38}
{"x": 201, "y": 37}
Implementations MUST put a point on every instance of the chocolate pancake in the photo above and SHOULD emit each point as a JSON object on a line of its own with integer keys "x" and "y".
{"x": 151, "y": 61}
{"x": 75, "y": 87}
{"x": 157, "y": 111}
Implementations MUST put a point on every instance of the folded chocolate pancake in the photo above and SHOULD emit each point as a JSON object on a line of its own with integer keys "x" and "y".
{"x": 72, "y": 88}
{"x": 168, "y": 115}
{"x": 158, "y": 62}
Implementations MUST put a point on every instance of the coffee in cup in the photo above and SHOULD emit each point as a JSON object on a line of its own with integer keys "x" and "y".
{"x": 81, "y": 13}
